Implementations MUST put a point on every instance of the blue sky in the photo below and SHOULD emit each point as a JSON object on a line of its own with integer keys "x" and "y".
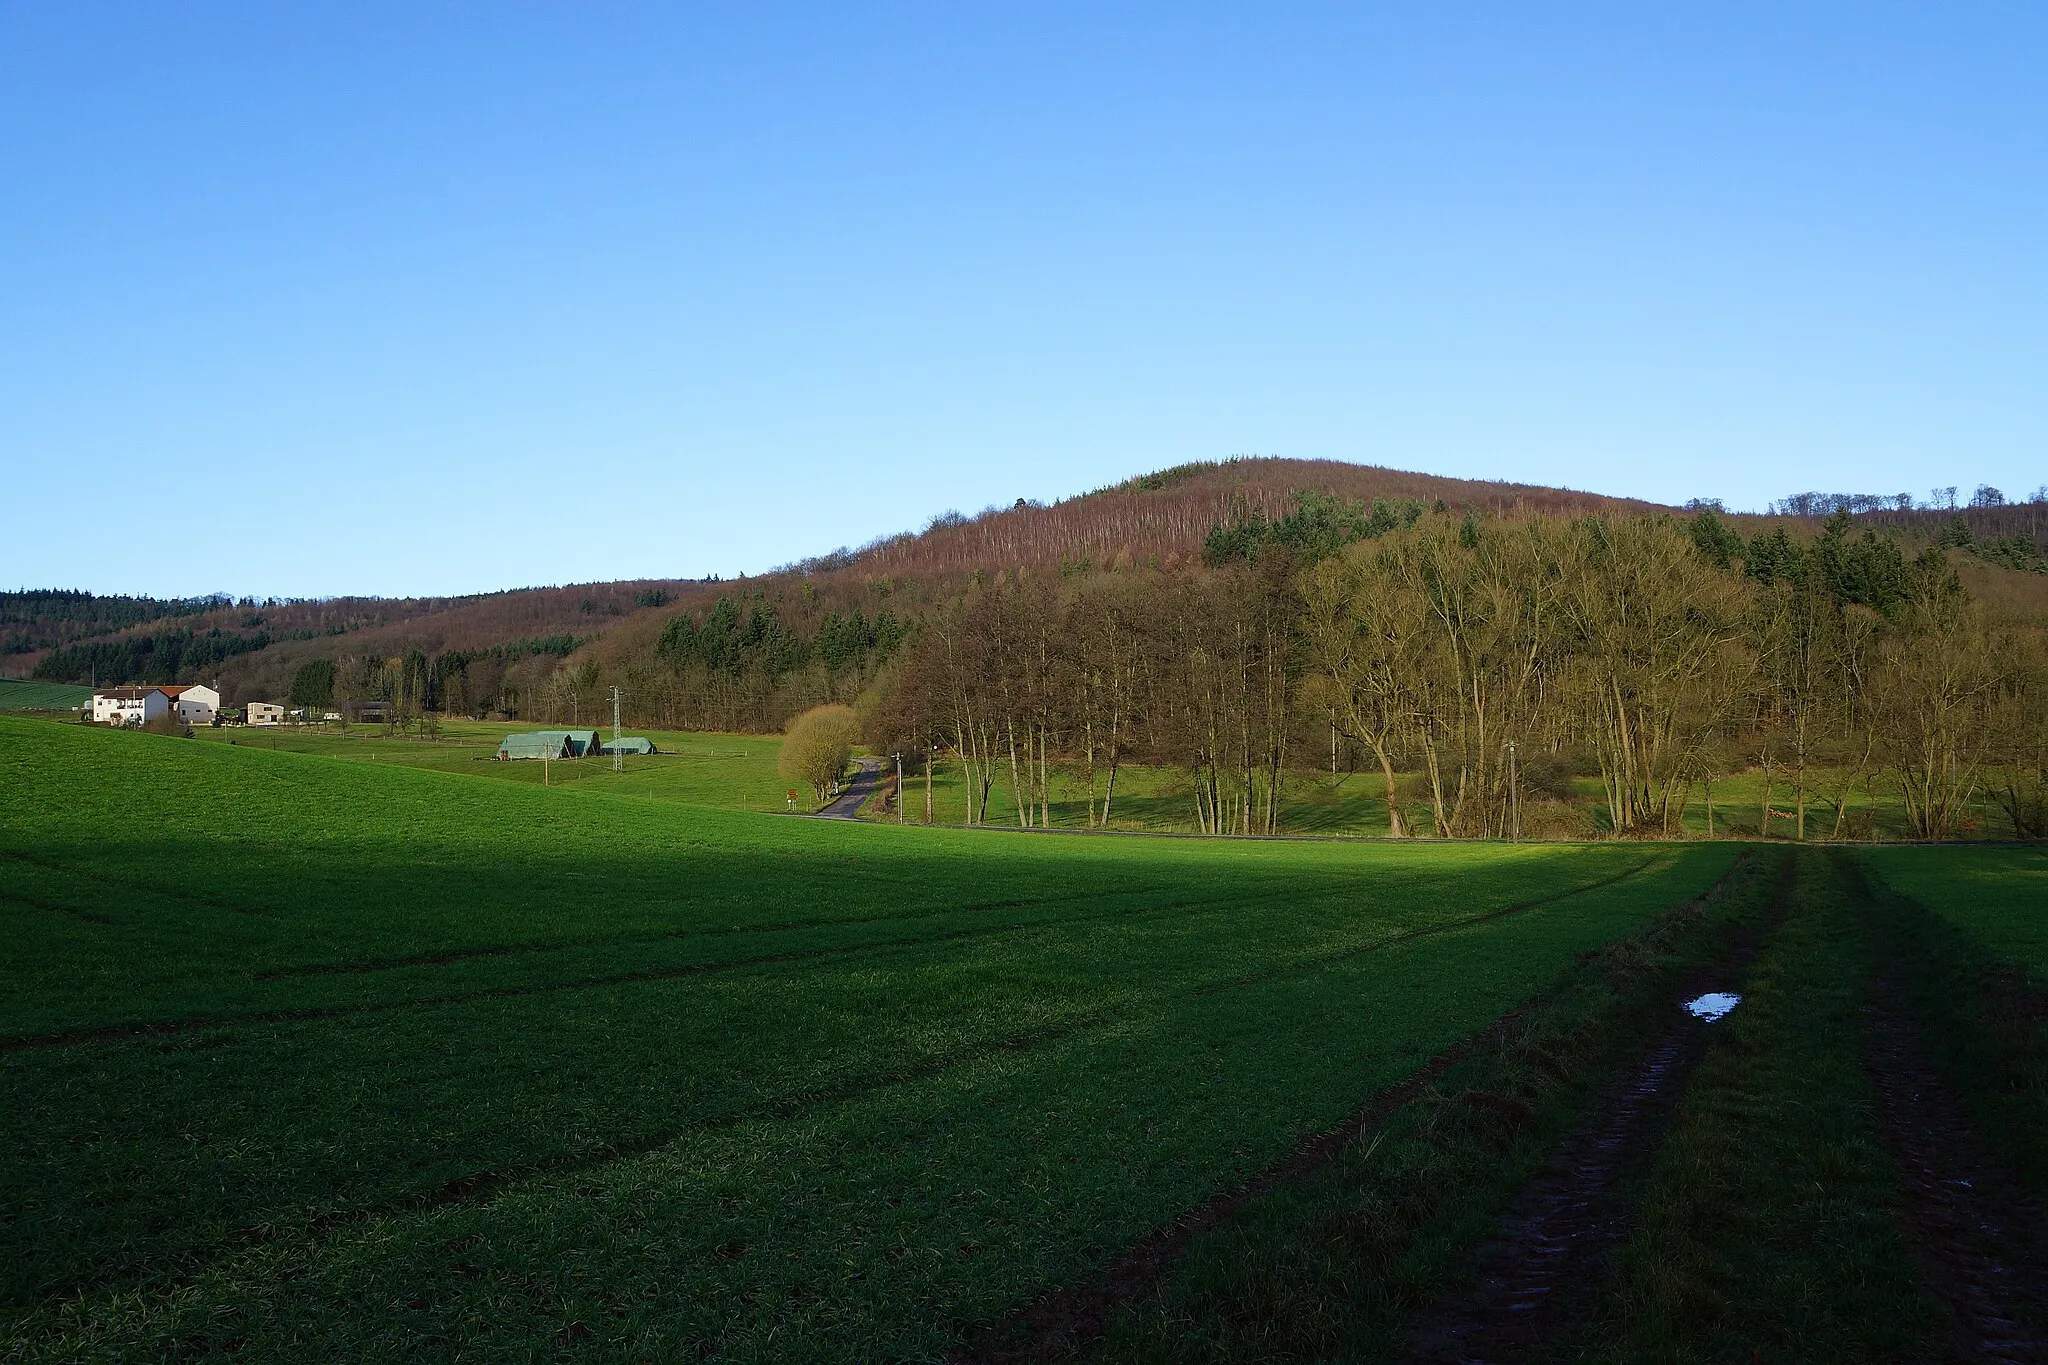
{"x": 305, "y": 300}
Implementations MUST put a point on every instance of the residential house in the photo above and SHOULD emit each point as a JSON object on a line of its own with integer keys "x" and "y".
{"x": 265, "y": 713}
{"x": 129, "y": 706}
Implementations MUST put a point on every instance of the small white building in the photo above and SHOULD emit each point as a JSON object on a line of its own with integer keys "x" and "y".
{"x": 132, "y": 706}
{"x": 195, "y": 702}
{"x": 265, "y": 713}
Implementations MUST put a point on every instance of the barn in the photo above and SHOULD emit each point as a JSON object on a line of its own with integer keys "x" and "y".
{"x": 628, "y": 744}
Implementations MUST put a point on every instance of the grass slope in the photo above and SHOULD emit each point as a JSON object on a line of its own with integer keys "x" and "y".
{"x": 1997, "y": 896}
{"x": 327, "y": 1058}
{"x": 18, "y": 694}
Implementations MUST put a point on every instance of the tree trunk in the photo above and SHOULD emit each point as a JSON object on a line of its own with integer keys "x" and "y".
{"x": 1016, "y": 784}
{"x": 1763, "y": 816}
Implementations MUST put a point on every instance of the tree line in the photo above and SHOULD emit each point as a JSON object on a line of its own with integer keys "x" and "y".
{"x": 42, "y": 618}
{"x": 1477, "y": 664}
{"x": 159, "y": 657}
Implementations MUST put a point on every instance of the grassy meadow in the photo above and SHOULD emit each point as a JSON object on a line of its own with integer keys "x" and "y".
{"x": 22, "y": 694}
{"x": 738, "y": 771}
{"x": 705, "y": 769}
{"x": 315, "y": 1052}
{"x": 1353, "y": 804}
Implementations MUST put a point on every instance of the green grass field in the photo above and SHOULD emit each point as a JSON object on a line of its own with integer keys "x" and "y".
{"x": 1354, "y": 804}
{"x": 738, "y": 771}
{"x": 318, "y": 1054}
{"x": 704, "y": 769}
{"x": 19, "y": 694}
{"x": 1999, "y": 897}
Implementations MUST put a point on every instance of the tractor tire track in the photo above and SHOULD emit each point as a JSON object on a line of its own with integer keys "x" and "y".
{"x": 1310, "y": 964}
{"x": 63, "y": 911}
{"x": 1546, "y": 1259}
{"x": 1963, "y": 1212}
{"x": 1070, "y": 1319}
{"x": 482, "y": 1185}
{"x": 1067, "y": 1321}
{"x": 1981, "y": 1238}
{"x": 314, "y": 1014}
{"x": 174, "y": 1027}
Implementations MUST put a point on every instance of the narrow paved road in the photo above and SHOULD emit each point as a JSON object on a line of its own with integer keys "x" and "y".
{"x": 848, "y": 801}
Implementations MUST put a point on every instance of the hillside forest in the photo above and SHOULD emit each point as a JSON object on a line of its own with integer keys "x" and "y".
{"x": 1480, "y": 655}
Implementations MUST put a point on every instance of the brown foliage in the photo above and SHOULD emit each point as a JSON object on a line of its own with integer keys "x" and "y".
{"x": 817, "y": 746}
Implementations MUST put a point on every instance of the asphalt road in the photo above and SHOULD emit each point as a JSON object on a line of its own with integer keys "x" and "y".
{"x": 848, "y": 801}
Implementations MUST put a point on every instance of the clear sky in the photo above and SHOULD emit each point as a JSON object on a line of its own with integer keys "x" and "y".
{"x": 415, "y": 298}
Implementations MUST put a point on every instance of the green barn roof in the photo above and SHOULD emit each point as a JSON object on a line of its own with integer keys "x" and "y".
{"x": 537, "y": 744}
{"x": 628, "y": 744}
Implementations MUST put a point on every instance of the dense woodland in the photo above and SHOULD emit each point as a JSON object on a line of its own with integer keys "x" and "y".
{"x": 1479, "y": 663}
{"x": 1478, "y": 655}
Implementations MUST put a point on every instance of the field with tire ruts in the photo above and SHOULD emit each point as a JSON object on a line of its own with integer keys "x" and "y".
{"x": 308, "y": 1058}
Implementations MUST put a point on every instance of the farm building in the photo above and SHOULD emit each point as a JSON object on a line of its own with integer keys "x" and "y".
{"x": 539, "y": 744}
{"x": 582, "y": 743}
{"x": 552, "y": 743}
{"x": 265, "y": 713}
{"x": 129, "y": 705}
{"x": 195, "y": 703}
{"x": 628, "y": 744}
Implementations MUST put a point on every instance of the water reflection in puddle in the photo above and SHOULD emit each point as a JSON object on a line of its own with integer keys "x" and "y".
{"x": 1712, "y": 1005}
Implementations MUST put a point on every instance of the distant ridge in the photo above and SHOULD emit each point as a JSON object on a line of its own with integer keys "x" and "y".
{"x": 1164, "y": 517}
{"x": 1159, "y": 519}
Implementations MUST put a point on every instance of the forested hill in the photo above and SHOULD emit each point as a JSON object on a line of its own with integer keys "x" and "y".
{"x": 255, "y": 647}
{"x": 745, "y": 653}
{"x": 1166, "y": 517}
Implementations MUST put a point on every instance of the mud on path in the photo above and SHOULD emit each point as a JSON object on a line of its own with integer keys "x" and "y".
{"x": 1966, "y": 1217}
{"x": 1067, "y": 1322}
{"x": 1544, "y": 1256}
{"x": 1544, "y": 1263}
{"x": 1980, "y": 1237}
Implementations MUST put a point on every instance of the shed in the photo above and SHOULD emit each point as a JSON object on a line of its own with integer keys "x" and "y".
{"x": 628, "y": 744}
{"x": 537, "y": 744}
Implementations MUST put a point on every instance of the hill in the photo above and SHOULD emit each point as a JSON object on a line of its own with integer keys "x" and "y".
{"x": 834, "y": 618}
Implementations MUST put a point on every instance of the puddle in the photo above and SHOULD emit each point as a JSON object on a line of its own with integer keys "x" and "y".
{"x": 1712, "y": 1005}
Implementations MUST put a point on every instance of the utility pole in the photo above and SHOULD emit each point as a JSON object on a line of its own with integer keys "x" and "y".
{"x": 899, "y": 786}
{"x": 1514, "y": 796}
{"x": 618, "y": 755}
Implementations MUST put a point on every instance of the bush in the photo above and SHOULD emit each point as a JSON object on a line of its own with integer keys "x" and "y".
{"x": 1557, "y": 820}
{"x": 818, "y": 744}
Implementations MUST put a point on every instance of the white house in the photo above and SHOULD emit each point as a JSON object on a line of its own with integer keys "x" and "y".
{"x": 265, "y": 713}
{"x": 195, "y": 702}
{"x": 136, "y": 706}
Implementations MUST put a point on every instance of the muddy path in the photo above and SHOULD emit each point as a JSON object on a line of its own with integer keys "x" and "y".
{"x": 1971, "y": 1226}
{"x": 1069, "y": 1321}
{"x": 1545, "y": 1261}
{"x": 1981, "y": 1238}
{"x": 1544, "y": 1257}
